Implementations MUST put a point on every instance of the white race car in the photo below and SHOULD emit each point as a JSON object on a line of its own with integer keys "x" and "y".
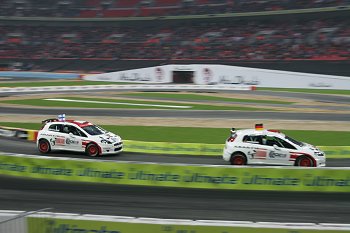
{"x": 259, "y": 146}
{"x": 81, "y": 136}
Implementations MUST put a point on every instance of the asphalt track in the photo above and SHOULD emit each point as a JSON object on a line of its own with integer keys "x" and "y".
{"x": 88, "y": 198}
{"x": 25, "y": 147}
{"x": 256, "y": 115}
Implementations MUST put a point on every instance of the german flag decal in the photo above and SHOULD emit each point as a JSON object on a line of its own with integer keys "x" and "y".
{"x": 259, "y": 127}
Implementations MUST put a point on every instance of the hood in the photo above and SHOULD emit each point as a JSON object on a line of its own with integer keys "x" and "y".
{"x": 312, "y": 148}
{"x": 108, "y": 138}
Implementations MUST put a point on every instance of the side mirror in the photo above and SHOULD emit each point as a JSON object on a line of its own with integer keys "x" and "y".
{"x": 71, "y": 134}
{"x": 276, "y": 147}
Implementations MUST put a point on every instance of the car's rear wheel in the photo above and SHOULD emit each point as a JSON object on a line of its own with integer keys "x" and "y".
{"x": 238, "y": 159}
{"x": 304, "y": 161}
{"x": 92, "y": 150}
{"x": 44, "y": 146}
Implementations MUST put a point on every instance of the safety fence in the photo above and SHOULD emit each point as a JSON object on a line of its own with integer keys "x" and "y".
{"x": 50, "y": 222}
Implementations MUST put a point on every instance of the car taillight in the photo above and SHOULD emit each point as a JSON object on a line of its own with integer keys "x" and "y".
{"x": 232, "y": 138}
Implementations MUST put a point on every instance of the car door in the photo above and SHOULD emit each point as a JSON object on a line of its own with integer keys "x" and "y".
{"x": 56, "y": 139}
{"x": 255, "y": 150}
{"x": 74, "y": 138}
{"x": 280, "y": 150}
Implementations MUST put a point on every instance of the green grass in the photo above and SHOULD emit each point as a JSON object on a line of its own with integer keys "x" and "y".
{"x": 204, "y": 135}
{"x": 201, "y": 97}
{"x": 47, "y": 103}
{"x": 54, "y": 83}
{"x": 315, "y": 91}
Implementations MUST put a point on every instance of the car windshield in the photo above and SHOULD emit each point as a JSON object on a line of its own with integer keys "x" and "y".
{"x": 294, "y": 141}
{"x": 94, "y": 130}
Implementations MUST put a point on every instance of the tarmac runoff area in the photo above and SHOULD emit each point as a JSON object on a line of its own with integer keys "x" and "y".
{"x": 191, "y": 122}
{"x": 204, "y": 122}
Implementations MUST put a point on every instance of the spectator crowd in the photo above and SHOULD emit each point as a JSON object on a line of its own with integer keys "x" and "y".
{"x": 134, "y": 8}
{"x": 281, "y": 40}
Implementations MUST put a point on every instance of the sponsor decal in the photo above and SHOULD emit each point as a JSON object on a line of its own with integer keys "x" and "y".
{"x": 159, "y": 74}
{"x": 207, "y": 75}
{"x": 258, "y": 154}
{"x": 238, "y": 80}
{"x": 320, "y": 84}
{"x": 71, "y": 141}
{"x": 134, "y": 77}
{"x": 274, "y": 154}
{"x": 62, "y": 227}
{"x": 57, "y": 141}
{"x": 85, "y": 142}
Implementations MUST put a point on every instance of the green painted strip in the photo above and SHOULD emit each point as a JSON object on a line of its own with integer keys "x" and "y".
{"x": 181, "y": 176}
{"x": 60, "y": 225}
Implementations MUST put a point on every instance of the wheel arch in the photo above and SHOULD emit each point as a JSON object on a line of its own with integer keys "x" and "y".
{"x": 308, "y": 156}
{"x": 98, "y": 146}
{"x": 242, "y": 153}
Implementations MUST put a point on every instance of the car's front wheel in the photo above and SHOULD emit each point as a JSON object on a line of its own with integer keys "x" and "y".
{"x": 92, "y": 150}
{"x": 238, "y": 159}
{"x": 304, "y": 161}
{"x": 44, "y": 146}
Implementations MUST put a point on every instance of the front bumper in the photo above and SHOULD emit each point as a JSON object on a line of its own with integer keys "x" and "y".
{"x": 112, "y": 149}
{"x": 320, "y": 161}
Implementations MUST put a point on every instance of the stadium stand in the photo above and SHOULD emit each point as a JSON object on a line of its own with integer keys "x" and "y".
{"x": 52, "y": 43}
{"x": 128, "y": 8}
{"x": 317, "y": 39}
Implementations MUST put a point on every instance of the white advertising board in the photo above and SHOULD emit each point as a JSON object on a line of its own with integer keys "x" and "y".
{"x": 158, "y": 74}
{"x": 224, "y": 74}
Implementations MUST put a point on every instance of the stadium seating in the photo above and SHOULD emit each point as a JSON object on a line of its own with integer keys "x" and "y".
{"x": 128, "y": 8}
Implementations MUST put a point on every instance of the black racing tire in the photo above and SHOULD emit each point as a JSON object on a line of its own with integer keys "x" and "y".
{"x": 92, "y": 150}
{"x": 44, "y": 146}
{"x": 304, "y": 161}
{"x": 238, "y": 159}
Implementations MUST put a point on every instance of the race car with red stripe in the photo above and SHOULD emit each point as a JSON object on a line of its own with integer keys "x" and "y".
{"x": 270, "y": 147}
{"x": 79, "y": 136}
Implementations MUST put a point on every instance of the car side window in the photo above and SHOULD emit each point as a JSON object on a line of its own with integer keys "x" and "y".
{"x": 80, "y": 133}
{"x": 283, "y": 143}
{"x": 67, "y": 129}
{"x": 253, "y": 139}
{"x": 55, "y": 128}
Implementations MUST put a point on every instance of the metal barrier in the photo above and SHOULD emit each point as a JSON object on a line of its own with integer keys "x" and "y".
{"x": 16, "y": 221}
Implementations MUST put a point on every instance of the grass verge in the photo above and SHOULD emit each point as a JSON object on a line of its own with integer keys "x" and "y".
{"x": 127, "y": 104}
{"x": 314, "y": 91}
{"x": 203, "y": 135}
{"x": 194, "y": 97}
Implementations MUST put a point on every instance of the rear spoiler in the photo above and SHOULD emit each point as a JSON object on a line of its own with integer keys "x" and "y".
{"x": 49, "y": 120}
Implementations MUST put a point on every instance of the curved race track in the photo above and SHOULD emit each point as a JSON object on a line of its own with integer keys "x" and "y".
{"x": 26, "y": 147}
{"x": 88, "y": 198}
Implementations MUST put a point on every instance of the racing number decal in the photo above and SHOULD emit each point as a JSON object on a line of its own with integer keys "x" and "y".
{"x": 59, "y": 141}
{"x": 258, "y": 153}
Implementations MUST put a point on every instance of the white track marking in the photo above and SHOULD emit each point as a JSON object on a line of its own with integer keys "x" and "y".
{"x": 119, "y": 103}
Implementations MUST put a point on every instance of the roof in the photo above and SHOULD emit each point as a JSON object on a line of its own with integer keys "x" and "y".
{"x": 75, "y": 122}
{"x": 260, "y": 132}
